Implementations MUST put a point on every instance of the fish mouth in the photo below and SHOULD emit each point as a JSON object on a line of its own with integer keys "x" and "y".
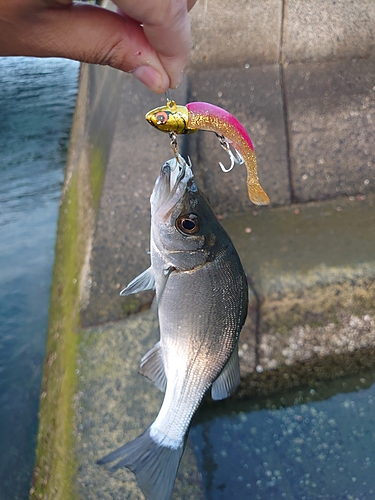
{"x": 170, "y": 186}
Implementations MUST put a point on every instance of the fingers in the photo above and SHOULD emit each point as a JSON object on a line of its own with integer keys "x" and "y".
{"x": 167, "y": 27}
{"x": 89, "y": 34}
{"x": 151, "y": 39}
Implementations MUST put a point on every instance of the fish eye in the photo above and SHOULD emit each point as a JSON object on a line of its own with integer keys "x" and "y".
{"x": 161, "y": 118}
{"x": 188, "y": 224}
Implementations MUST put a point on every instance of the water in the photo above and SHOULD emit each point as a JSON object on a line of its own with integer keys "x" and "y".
{"x": 37, "y": 99}
{"x": 316, "y": 443}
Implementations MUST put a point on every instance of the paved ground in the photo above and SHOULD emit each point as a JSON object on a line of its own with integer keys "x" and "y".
{"x": 300, "y": 76}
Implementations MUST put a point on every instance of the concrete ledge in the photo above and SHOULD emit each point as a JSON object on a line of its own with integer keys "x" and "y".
{"x": 121, "y": 239}
{"x": 312, "y": 274}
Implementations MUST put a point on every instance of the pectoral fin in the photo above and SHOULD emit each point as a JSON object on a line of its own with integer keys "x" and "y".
{"x": 145, "y": 281}
{"x": 229, "y": 379}
{"x": 165, "y": 276}
{"x": 152, "y": 367}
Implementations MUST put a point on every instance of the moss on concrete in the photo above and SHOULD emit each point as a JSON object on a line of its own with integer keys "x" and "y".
{"x": 56, "y": 463}
{"x": 305, "y": 374}
{"x": 318, "y": 306}
{"x": 97, "y": 173}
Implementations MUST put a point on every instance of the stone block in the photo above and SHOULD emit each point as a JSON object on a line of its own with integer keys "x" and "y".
{"x": 254, "y": 97}
{"x": 235, "y": 33}
{"x": 331, "y": 119}
{"x": 324, "y": 30}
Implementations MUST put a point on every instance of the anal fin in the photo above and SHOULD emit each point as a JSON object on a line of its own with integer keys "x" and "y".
{"x": 152, "y": 367}
{"x": 229, "y": 379}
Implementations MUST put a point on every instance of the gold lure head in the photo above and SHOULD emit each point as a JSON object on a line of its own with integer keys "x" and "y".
{"x": 170, "y": 118}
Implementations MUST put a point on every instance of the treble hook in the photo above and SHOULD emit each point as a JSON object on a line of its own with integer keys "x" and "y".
{"x": 173, "y": 144}
{"x": 235, "y": 159}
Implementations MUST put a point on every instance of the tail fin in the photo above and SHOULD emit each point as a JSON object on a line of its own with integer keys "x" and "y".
{"x": 155, "y": 466}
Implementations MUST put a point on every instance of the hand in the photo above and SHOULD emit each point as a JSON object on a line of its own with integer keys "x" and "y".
{"x": 149, "y": 38}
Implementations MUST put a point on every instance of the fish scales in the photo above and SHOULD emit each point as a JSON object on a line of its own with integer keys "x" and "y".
{"x": 201, "y": 293}
{"x": 182, "y": 333}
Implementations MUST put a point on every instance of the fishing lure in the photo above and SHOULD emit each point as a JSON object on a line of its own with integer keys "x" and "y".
{"x": 176, "y": 119}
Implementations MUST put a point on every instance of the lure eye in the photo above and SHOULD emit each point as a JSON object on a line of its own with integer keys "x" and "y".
{"x": 161, "y": 118}
{"x": 188, "y": 224}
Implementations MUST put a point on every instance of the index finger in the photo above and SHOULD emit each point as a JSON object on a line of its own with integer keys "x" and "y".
{"x": 166, "y": 25}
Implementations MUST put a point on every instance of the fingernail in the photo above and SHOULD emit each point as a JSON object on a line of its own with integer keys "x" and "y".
{"x": 148, "y": 76}
{"x": 179, "y": 79}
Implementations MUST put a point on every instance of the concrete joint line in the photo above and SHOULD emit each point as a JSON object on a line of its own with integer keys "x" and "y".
{"x": 284, "y": 102}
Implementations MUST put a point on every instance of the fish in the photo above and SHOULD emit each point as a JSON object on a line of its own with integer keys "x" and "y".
{"x": 202, "y": 301}
{"x": 177, "y": 119}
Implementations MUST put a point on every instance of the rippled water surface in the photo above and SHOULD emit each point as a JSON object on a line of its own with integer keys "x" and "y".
{"x": 37, "y": 99}
{"x": 316, "y": 443}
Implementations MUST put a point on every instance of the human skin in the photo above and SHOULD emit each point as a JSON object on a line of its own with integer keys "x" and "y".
{"x": 148, "y": 38}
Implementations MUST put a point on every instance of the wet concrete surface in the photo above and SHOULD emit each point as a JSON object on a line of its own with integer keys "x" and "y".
{"x": 310, "y": 443}
{"x": 115, "y": 404}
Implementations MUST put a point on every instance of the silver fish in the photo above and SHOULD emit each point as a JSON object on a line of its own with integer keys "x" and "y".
{"x": 202, "y": 297}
